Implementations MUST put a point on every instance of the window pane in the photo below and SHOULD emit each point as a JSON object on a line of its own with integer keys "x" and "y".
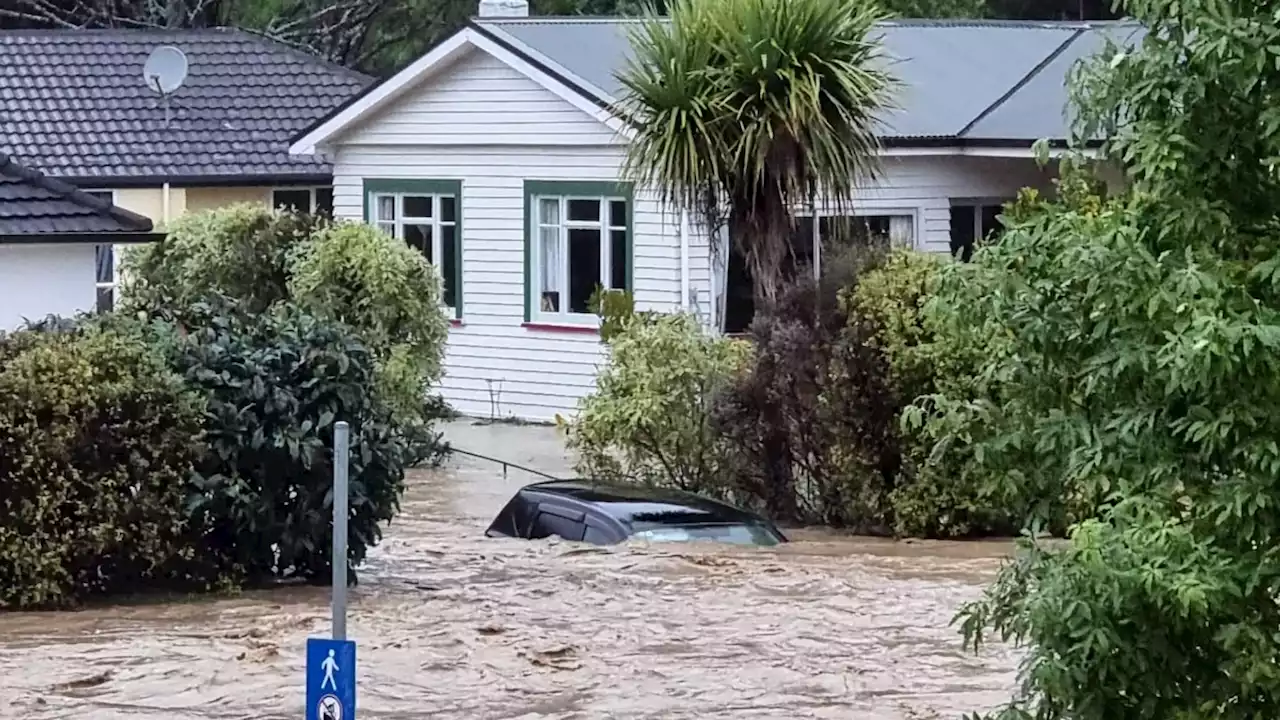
{"x": 388, "y": 228}
{"x": 105, "y": 255}
{"x": 902, "y": 231}
{"x": 990, "y": 222}
{"x": 550, "y": 285}
{"x": 449, "y": 264}
{"x": 106, "y": 299}
{"x": 584, "y": 210}
{"x": 299, "y": 200}
{"x": 801, "y": 257}
{"x": 385, "y": 207}
{"x": 549, "y": 211}
{"x": 417, "y": 206}
{"x": 324, "y": 201}
{"x": 584, "y": 267}
{"x": 448, "y": 208}
{"x": 618, "y": 213}
{"x": 962, "y": 231}
{"x": 419, "y": 236}
{"x": 618, "y": 260}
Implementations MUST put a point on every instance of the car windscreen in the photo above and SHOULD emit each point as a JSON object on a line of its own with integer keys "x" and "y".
{"x": 736, "y": 534}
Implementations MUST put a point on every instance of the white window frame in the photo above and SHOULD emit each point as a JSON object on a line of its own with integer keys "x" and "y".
{"x": 311, "y": 191}
{"x": 395, "y": 226}
{"x": 889, "y": 212}
{"x": 606, "y": 229}
{"x": 116, "y": 251}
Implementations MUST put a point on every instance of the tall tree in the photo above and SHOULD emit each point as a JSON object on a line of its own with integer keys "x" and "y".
{"x": 748, "y": 109}
{"x": 1136, "y": 360}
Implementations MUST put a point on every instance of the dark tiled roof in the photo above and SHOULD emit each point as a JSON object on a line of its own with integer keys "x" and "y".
{"x": 980, "y": 80}
{"x": 32, "y": 204}
{"x": 73, "y": 104}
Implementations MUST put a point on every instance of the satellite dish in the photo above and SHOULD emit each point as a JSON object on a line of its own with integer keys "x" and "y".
{"x": 165, "y": 69}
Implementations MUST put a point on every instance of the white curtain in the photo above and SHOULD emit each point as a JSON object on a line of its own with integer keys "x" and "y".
{"x": 549, "y": 253}
{"x": 900, "y": 231}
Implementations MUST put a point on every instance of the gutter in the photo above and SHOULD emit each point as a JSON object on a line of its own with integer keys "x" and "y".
{"x": 80, "y": 238}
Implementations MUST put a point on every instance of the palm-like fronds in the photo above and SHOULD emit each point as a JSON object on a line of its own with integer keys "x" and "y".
{"x": 756, "y": 107}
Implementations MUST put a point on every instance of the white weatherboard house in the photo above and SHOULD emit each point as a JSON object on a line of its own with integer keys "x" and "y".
{"x": 497, "y": 155}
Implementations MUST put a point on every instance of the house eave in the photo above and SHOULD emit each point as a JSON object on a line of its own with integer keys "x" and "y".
{"x": 80, "y": 238}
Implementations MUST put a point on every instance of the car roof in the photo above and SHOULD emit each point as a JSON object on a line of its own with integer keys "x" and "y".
{"x": 639, "y": 505}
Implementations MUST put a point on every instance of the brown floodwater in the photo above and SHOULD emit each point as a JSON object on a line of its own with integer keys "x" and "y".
{"x": 450, "y": 624}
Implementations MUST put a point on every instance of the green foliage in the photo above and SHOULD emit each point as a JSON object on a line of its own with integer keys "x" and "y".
{"x": 384, "y": 289}
{"x": 347, "y": 273}
{"x": 709, "y": 132}
{"x": 97, "y": 439}
{"x": 261, "y": 498}
{"x": 892, "y": 298}
{"x": 649, "y": 420}
{"x": 1143, "y": 371}
{"x": 615, "y": 309}
{"x": 241, "y": 251}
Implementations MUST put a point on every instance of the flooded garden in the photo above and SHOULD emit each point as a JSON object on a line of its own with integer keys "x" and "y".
{"x": 451, "y": 624}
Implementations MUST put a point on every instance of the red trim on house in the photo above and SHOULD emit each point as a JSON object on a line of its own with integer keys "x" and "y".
{"x": 455, "y": 322}
{"x": 570, "y": 329}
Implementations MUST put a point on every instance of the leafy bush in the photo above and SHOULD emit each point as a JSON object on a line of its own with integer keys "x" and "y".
{"x": 388, "y": 293}
{"x": 1145, "y": 372}
{"x": 813, "y": 418}
{"x": 262, "y": 496}
{"x": 349, "y": 273}
{"x": 97, "y": 440}
{"x": 649, "y": 420}
{"x": 241, "y": 251}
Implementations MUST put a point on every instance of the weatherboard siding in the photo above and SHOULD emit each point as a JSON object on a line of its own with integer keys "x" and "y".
{"x": 494, "y": 366}
{"x": 491, "y": 128}
{"x": 479, "y": 98}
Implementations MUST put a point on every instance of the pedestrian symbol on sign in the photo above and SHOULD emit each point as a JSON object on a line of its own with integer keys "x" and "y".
{"x": 330, "y": 708}
{"x": 329, "y": 666}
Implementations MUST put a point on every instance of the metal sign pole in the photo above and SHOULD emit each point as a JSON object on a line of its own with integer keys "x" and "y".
{"x": 341, "y": 463}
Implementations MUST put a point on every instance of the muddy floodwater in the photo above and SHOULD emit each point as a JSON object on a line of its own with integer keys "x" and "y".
{"x": 450, "y": 624}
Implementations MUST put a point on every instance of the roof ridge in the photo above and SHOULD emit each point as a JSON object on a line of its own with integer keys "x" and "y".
{"x": 1044, "y": 62}
{"x": 73, "y": 194}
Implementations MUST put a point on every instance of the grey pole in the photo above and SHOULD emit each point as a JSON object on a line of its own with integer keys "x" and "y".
{"x": 341, "y": 463}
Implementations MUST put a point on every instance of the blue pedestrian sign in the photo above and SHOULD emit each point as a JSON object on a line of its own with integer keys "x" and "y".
{"x": 331, "y": 679}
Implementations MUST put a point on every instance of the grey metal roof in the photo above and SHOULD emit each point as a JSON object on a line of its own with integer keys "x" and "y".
{"x": 986, "y": 80}
{"x": 33, "y": 205}
{"x": 73, "y": 104}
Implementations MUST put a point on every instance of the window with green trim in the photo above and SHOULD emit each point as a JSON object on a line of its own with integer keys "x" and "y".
{"x": 425, "y": 214}
{"x": 579, "y": 240}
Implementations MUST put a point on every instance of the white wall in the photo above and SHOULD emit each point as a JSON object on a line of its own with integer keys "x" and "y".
{"x": 486, "y": 124}
{"x": 38, "y": 280}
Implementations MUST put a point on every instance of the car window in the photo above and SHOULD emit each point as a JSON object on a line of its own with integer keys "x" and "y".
{"x": 597, "y": 536}
{"x": 733, "y": 534}
{"x": 549, "y": 524}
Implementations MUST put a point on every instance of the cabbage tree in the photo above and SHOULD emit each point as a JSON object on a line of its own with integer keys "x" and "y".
{"x": 746, "y": 110}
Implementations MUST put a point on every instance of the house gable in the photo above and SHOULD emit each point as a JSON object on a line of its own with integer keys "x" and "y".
{"x": 479, "y": 95}
{"x": 384, "y": 97}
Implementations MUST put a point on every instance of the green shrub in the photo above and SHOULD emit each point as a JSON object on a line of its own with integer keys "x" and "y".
{"x": 276, "y": 383}
{"x": 892, "y": 299}
{"x": 388, "y": 293}
{"x": 97, "y": 440}
{"x": 241, "y": 251}
{"x": 649, "y": 420}
{"x": 349, "y": 273}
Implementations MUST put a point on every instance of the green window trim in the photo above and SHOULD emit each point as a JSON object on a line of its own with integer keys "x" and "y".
{"x": 575, "y": 188}
{"x": 380, "y": 186}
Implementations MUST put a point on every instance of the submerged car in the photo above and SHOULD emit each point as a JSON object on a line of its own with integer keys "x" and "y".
{"x": 606, "y": 514}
